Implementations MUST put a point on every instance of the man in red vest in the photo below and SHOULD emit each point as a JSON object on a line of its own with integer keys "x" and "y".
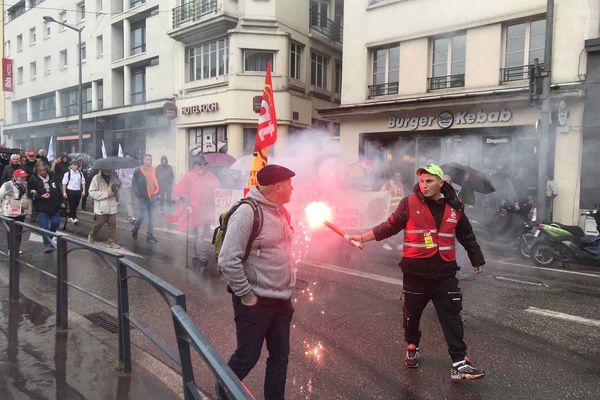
{"x": 432, "y": 218}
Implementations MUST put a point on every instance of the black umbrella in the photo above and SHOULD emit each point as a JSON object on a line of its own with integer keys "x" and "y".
{"x": 115, "y": 163}
{"x": 470, "y": 177}
{"x": 6, "y": 150}
{"x": 83, "y": 158}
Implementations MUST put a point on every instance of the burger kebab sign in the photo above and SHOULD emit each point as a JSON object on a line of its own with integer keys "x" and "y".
{"x": 447, "y": 119}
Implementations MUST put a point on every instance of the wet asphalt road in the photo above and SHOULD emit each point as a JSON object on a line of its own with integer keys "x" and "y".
{"x": 347, "y": 330}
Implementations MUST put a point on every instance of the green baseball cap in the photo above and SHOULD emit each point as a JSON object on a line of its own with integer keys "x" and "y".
{"x": 432, "y": 169}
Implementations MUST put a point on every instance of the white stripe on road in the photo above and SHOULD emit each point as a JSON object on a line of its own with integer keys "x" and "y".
{"x": 562, "y": 271}
{"x": 565, "y": 317}
{"x": 503, "y": 278}
{"x": 347, "y": 271}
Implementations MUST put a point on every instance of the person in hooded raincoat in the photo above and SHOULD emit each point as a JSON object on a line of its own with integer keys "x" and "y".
{"x": 196, "y": 206}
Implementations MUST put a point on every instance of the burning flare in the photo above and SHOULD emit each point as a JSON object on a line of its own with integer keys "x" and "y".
{"x": 316, "y": 213}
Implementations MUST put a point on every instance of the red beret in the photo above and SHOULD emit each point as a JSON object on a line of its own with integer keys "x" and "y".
{"x": 271, "y": 174}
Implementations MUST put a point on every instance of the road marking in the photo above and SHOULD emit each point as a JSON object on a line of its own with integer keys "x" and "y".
{"x": 347, "y": 271}
{"x": 565, "y": 317}
{"x": 504, "y": 278}
{"x": 562, "y": 271}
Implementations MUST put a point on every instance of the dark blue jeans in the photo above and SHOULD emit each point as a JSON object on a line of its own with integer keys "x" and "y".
{"x": 50, "y": 222}
{"x": 268, "y": 320}
{"x": 146, "y": 210}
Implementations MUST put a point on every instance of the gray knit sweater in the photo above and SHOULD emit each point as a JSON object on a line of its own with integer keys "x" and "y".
{"x": 268, "y": 271}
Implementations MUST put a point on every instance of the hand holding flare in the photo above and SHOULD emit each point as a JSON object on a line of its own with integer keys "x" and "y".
{"x": 319, "y": 214}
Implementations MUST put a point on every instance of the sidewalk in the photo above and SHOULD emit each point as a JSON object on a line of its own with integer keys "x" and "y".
{"x": 40, "y": 362}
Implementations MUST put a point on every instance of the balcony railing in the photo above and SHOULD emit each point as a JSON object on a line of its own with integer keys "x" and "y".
{"x": 445, "y": 82}
{"x": 517, "y": 73}
{"x": 193, "y": 10}
{"x": 326, "y": 27}
{"x": 383, "y": 89}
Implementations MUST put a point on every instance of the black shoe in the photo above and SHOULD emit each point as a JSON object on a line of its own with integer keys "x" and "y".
{"x": 151, "y": 239}
{"x": 220, "y": 392}
{"x": 134, "y": 235}
{"x": 411, "y": 360}
{"x": 465, "y": 370}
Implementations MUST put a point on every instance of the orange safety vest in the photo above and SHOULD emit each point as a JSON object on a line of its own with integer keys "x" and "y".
{"x": 422, "y": 238}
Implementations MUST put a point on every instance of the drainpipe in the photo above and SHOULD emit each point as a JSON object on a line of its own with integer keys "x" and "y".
{"x": 544, "y": 133}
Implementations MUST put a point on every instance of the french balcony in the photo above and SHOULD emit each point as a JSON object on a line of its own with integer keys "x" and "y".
{"x": 383, "y": 89}
{"x": 198, "y": 19}
{"x": 518, "y": 73}
{"x": 446, "y": 82}
{"x": 330, "y": 30}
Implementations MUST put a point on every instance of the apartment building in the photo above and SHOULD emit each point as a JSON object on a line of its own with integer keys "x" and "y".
{"x": 223, "y": 48}
{"x": 126, "y": 75}
{"x": 440, "y": 81}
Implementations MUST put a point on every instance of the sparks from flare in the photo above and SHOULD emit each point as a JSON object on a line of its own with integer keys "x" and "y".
{"x": 318, "y": 213}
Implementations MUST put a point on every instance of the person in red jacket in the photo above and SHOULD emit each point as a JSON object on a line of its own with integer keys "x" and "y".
{"x": 432, "y": 218}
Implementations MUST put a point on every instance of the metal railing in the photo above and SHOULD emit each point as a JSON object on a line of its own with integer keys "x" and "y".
{"x": 326, "y": 27}
{"x": 193, "y": 10}
{"x": 445, "y": 82}
{"x": 383, "y": 89}
{"x": 517, "y": 73}
{"x": 186, "y": 332}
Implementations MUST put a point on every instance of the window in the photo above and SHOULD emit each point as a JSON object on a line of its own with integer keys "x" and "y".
{"x": 80, "y": 8}
{"x": 138, "y": 86}
{"x": 87, "y": 98}
{"x": 47, "y": 30}
{"x": 68, "y": 101}
{"x": 385, "y": 70}
{"x": 207, "y": 139}
{"x": 47, "y": 65}
{"x": 19, "y": 43}
{"x": 138, "y": 37}
{"x": 295, "y": 60}
{"x": 43, "y": 107}
{"x": 318, "y": 70}
{"x": 100, "y": 94}
{"x": 16, "y": 10}
{"x": 134, "y": 3}
{"x": 257, "y": 60}
{"x": 35, "y": 2}
{"x": 208, "y": 60}
{"x": 63, "y": 59}
{"x": 98, "y": 7}
{"x": 525, "y": 42}
{"x": 338, "y": 77}
{"x": 7, "y": 48}
{"x": 21, "y": 111}
{"x": 62, "y": 17}
{"x": 32, "y": 36}
{"x": 83, "y": 52}
{"x": 448, "y": 62}
{"x": 99, "y": 46}
{"x": 33, "y": 71}
{"x": 319, "y": 11}
{"x": 19, "y": 75}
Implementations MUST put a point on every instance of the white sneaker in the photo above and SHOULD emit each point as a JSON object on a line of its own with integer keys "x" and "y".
{"x": 387, "y": 246}
{"x": 75, "y": 220}
{"x": 71, "y": 220}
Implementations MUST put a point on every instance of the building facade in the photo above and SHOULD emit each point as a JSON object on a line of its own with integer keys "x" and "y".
{"x": 223, "y": 48}
{"x": 418, "y": 88}
{"x": 127, "y": 75}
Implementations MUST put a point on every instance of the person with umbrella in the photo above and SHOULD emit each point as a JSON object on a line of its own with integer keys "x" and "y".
{"x": 432, "y": 217}
{"x": 195, "y": 209}
{"x": 103, "y": 190}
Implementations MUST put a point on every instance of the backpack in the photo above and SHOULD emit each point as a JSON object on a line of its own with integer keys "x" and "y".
{"x": 80, "y": 176}
{"x": 221, "y": 230}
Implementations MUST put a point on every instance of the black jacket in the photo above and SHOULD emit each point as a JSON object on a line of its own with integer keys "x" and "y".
{"x": 29, "y": 166}
{"x": 138, "y": 185}
{"x": 165, "y": 176}
{"x": 433, "y": 267}
{"x": 40, "y": 204}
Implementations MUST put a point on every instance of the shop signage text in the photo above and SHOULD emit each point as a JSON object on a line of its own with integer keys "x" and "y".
{"x": 201, "y": 108}
{"x": 446, "y": 119}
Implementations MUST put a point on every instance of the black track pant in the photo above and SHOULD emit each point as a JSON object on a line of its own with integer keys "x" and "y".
{"x": 447, "y": 300}
{"x": 73, "y": 197}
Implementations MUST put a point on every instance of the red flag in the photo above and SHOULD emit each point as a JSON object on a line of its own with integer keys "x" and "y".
{"x": 266, "y": 133}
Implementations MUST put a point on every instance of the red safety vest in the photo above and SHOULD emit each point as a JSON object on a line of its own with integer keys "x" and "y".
{"x": 422, "y": 238}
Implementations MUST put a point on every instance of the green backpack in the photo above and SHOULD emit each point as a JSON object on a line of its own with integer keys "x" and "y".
{"x": 221, "y": 230}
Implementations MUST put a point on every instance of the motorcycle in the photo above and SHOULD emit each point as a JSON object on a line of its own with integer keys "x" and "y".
{"x": 507, "y": 229}
{"x": 555, "y": 242}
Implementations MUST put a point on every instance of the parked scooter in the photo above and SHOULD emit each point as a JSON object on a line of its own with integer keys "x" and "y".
{"x": 507, "y": 229}
{"x": 556, "y": 242}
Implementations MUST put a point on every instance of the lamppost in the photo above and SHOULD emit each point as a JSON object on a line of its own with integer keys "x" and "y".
{"x": 80, "y": 102}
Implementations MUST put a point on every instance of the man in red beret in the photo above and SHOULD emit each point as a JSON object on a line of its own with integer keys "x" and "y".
{"x": 262, "y": 284}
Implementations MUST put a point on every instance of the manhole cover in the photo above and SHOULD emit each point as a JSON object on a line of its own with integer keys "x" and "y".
{"x": 104, "y": 321}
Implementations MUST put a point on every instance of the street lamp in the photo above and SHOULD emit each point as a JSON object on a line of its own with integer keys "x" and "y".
{"x": 80, "y": 104}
